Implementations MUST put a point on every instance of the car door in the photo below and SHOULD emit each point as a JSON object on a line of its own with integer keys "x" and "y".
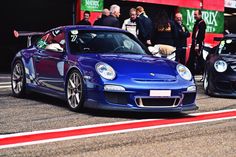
{"x": 49, "y": 60}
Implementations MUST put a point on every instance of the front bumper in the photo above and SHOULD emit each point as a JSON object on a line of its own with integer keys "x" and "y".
{"x": 224, "y": 86}
{"x": 140, "y": 101}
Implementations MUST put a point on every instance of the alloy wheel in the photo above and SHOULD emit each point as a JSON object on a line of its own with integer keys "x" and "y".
{"x": 18, "y": 78}
{"x": 74, "y": 91}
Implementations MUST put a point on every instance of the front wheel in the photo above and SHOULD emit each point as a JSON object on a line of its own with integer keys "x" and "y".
{"x": 18, "y": 79}
{"x": 74, "y": 91}
{"x": 206, "y": 83}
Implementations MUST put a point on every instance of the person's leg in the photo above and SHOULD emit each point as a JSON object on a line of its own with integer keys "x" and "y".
{"x": 201, "y": 65}
{"x": 192, "y": 61}
{"x": 182, "y": 56}
{"x": 177, "y": 55}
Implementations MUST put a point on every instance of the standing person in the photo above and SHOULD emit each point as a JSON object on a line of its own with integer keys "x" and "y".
{"x": 105, "y": 13}
{"x": 145, "y": 26}
{"x": 130, "y": 24}
{"x": 112, "y": 19}
{"x": 195, "y": 62}
{"x": 85, "y": 20}
{"x": 164, "y": 33}
{"x": 182, "y": 34}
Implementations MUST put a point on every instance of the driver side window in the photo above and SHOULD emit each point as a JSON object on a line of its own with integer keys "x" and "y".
{"x": 54, "y": 40}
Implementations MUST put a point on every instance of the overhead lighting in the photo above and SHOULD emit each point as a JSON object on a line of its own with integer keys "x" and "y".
{"x": 227, "y": 14}
{"x": 233, "y": 13}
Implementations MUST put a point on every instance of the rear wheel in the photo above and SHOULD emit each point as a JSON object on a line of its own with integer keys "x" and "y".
{"x": 18, "y": 79}
{"x": 74, "y": 91}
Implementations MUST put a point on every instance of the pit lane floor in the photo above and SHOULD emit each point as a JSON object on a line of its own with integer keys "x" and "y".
{"x": 39, "y": 112}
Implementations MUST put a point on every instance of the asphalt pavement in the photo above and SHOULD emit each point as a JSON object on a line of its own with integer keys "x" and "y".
{"x": 40, "y": 112}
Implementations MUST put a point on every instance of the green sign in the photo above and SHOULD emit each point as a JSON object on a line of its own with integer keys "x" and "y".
{"x": 92, "y": 5}
{"x": 214, "y": 19}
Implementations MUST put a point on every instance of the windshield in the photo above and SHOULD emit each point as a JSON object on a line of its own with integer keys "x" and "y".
{"x": 103, "y": 42}
{"x": 227, "y": 46}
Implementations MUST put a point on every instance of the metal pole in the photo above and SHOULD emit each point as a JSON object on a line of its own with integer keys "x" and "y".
{"x": 73, "y": 12}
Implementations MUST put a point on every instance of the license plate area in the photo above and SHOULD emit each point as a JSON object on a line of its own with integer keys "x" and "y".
{"x": 160, "y": 93}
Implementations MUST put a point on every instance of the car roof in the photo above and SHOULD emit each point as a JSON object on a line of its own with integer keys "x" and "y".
{"x": 86, "y": 27}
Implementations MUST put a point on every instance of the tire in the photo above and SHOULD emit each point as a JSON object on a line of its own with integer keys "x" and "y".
{"x": 74, "y": 91}
{"x": 206, "y": 83}
{"x": 18, "y": 80}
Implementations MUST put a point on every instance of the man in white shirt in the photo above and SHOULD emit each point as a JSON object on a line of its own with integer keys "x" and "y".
{"x": 130, "y": 24}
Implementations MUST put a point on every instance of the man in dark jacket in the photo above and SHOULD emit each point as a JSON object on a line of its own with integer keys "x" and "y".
{"x": 145, "y": 26}
{"x": 112, "y": 19}
{"x": 182, "y": 34}
{"x": 195, "y": 62}
{"x": 99, "y": 21}
{"x": 85, "y": 20}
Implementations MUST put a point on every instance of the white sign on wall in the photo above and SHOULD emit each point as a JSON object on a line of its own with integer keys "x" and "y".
{"x": 230, "y": 3}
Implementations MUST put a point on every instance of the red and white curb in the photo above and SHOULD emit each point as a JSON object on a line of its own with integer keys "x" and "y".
{"x": 37, "y": 137}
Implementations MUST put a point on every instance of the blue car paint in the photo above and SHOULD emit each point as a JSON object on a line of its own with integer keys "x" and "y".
{"x": 133, "y": 73}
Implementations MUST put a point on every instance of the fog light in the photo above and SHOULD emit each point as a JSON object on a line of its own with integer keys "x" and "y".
{"x": 191, "y": 89}
{"x": 113, "y": 88}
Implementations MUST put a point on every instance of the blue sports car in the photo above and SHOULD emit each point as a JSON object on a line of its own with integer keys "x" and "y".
{"x": 104, "y": 68}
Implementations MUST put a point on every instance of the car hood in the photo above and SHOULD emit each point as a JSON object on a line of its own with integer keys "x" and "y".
{"x": 139, "y": 67}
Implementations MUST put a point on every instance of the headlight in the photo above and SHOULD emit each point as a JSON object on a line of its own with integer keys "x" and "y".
{"x": 184, "y": 72}
{"x": 105, "y": 70}
{"x": 220, "y": 66}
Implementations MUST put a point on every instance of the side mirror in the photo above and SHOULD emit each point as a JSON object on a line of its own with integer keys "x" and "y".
{"x": 54, "y": 47}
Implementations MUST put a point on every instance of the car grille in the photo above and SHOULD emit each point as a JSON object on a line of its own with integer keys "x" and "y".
{"x": 232, "y": 64}
{"x": 188, "y": 98}
{"x": 116, "y": 97}
{"x": 233, "y": 67}
{"x": 155, "y": 80}
{"x": 157, "y": 102}
{"x": 234, "y": 86}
